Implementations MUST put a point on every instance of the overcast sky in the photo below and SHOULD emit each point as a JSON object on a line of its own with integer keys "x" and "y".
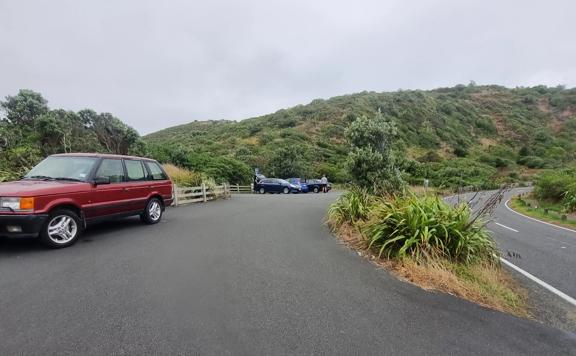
{"x": 156, "y": 64}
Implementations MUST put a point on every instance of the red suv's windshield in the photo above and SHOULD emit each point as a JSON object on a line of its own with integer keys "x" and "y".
{"x": 63, "y": 168}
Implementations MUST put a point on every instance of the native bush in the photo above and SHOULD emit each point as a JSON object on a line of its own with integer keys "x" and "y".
{"x": 569, "y": 199}
{"x": 553, "y": 185}
{"x": 427, "y": 227}
{"x": 351, "y": 207}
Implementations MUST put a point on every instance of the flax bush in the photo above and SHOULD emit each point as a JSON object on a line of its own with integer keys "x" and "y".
{"x": 351, "y": 207}
{"x": 427, "y": 227}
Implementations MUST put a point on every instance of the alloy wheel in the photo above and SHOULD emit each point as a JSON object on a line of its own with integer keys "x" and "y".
{"x": 62, "y": 229}
{"x": 155, "y": 210}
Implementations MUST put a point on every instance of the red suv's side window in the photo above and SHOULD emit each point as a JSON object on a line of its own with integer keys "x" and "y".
{"x": 135, "y": 170}
{"x": 113, "y": 169}
{"x": 156, "y": 172}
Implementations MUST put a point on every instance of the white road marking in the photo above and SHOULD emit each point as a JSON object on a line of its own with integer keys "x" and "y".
{"x": 540, "y": 221}
{"x": 506, "y": 227}
{"x": 562, "y": 295}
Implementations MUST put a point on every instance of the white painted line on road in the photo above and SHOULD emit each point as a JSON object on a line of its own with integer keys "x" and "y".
{"x": 562, "y": 295}
{"x": 506, "y": 227}
{"x": 540, "y": 221}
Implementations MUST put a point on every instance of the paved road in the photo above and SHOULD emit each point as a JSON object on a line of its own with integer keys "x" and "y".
{"x": 252, "y": 275}
{"x": 545, "y": 251}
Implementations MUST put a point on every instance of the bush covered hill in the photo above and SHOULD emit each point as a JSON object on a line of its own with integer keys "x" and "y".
{"x": 465, "y": 135}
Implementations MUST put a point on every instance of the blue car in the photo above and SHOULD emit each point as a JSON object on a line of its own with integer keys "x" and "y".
{"x": 275, "y": 185}
{"x": 298, "y": 182}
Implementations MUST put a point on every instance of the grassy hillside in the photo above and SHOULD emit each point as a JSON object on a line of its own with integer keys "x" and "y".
{"x": 465, "y": 135}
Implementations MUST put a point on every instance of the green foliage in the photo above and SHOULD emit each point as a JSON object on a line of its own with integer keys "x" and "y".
{"x": 460, "y": 151}
{"x": 30, "y": 131}
{"x": 569, "y": 198}
{"x": 460, "y": 172}
{"x": 370, "y": 162}
{"x": 425, "y": 227}
{"x": 532, "y": 162}
{"x": 288, "y": 161}
{"x": 495, "y": 129}
{"x": 23, "y": 108}
{"x": 553, "y": 185}
{"x": 351, "y": 207}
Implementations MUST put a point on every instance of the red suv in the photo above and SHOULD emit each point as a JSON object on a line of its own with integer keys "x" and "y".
{"x": 66, "y": 192}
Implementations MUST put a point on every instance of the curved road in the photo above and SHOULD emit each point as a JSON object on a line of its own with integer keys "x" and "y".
{"x": 250, "y": 275}
{"x": 545, "y": 251}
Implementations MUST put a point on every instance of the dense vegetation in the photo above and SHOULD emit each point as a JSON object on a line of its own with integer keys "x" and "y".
{"x": 30, "y": 131}
{"x": 444, "y": 247}
{"x": 417, "y": 227}
{"x": 557, "y": 187}
{"x": 465, "y": 135}
{"x": 424, "y": 240}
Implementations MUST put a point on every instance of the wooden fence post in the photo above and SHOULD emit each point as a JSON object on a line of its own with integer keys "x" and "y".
{"x": 204, "y": 192}
{"x": 175, "y": 193}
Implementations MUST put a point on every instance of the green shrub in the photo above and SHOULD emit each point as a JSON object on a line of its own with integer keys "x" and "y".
{"x": 569, "y": 198}
{"x": 424, "y": 227}
{"x": 553, "y": 185}
{"x": 351, "y": 207}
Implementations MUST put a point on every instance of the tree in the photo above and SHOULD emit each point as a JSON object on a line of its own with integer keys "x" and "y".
{"x": 23, "y": 108}
{"x": 288, "y": 161}
{"x": 113, "y": 134}
{"x": 370, "y": 161}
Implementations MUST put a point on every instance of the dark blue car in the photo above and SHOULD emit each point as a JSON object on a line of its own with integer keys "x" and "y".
{"x": 316, "y": 185}
{"x": 275, "y": 185}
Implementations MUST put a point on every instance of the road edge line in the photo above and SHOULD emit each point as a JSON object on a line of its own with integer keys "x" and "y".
{"x": 540, "y": 221}
{"x": 533, "y": 278}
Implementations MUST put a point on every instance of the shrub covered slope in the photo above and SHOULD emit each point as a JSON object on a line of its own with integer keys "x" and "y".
{"x": 465, "y": 135}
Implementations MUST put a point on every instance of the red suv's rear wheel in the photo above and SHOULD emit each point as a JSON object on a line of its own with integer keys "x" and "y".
{"x": 62, "y": 229}
{"x": 153, "y": 212}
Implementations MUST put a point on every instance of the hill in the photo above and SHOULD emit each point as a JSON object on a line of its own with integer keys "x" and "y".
{"x": 465, "y": 135}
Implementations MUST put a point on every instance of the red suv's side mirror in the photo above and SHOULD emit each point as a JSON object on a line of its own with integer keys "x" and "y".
{"x": 101, "y": 180}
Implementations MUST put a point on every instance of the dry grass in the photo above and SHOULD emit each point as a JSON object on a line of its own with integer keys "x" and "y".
{"x": 484, "y": 284}
{"x": 420, "y": 190}
{"x": 184, "y": 177}
{"x": 251, "y": 141}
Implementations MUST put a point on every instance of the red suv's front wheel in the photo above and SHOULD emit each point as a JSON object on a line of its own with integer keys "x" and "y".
{"x": 62, "y": 229}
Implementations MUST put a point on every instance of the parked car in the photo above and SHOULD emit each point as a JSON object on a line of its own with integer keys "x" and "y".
{"x": 64, "y": 193}
{"x": 316, "y": 185}
{"x": 275, "y": 185}
{"x": 298, "y": 182}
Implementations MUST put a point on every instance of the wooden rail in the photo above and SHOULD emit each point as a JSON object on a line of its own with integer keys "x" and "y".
{"x": 188, "y": 195}
{"x": 241, "y": 189}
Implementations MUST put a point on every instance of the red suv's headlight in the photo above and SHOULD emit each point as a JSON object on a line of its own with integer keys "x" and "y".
{"x": 17, "y": 204}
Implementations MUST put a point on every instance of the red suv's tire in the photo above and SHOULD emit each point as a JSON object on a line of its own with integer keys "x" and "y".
{"x": 62, "y": 229}
{"x": 153, "y": 212}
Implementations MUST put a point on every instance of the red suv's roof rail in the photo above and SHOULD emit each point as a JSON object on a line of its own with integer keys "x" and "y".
{"x": 99, "y": 155}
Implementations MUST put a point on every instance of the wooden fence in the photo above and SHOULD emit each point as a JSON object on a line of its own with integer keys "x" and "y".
{"x": 241, "y": 189}
{"x": 203, "y": 193}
